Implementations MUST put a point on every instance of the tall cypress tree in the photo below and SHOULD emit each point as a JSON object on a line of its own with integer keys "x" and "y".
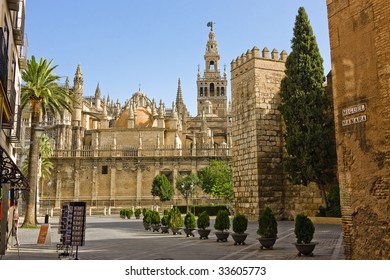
{"x": 306, "y": 110}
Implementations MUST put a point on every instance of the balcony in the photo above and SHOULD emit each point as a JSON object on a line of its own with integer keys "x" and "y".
{"x": 23, "y": 55}
{"x": 14, "y": 135}
{"x": 18, "y": 25}
{"x": 13, "y": 5}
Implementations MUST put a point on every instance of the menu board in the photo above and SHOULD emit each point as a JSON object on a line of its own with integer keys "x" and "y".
{"x": 72, "y": 224}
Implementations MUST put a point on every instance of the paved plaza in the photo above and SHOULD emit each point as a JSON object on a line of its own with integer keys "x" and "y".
{"x": 113, "y": 238}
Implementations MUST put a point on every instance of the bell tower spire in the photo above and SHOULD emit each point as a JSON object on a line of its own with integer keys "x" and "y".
{"x": 212, "y": 87}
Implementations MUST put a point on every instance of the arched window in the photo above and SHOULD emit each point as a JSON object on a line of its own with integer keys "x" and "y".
{"x": 211, "y": 65}
{"x": 222, "y": 91}
{"x": 212, "y": 89}
{"x": 205, "y": 91}
{"x": 201, "y": 91}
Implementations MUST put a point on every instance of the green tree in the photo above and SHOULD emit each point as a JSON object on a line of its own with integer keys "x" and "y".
{"x": 306, "y": 110}
{"x": 162, "y": 188}
{"x": 216, "y": 180}
{"x": 186, "y": 186}
{"x": 42, "y": 92}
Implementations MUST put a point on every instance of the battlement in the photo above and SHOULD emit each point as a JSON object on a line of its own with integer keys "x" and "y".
{"x": 255, "y": 53}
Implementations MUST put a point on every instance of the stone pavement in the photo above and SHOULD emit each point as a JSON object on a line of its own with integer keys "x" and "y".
{"x": 113, "y": 238}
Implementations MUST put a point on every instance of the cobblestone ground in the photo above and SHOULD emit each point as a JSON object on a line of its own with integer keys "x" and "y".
{"x": 112, "y": 238}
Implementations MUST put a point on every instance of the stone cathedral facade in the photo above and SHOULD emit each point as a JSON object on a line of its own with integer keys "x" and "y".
{"x": 108, "y": 154}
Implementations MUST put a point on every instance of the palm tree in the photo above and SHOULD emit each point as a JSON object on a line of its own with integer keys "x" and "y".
{"x": 45, "y": 152}
{"x": 41, "y": 91}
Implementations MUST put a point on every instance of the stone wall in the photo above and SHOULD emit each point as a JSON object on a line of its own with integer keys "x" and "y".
{"x": 116, "y": 182}
{"x": 257, "y": 148}
{"x": 360, "y": 38}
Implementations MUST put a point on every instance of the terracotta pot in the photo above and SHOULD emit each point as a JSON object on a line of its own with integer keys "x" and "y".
{"x": 239, "y": 238}
{"x": 267, "y": 242}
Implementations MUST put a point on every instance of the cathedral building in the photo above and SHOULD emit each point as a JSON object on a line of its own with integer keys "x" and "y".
{"x": 107, "y": 153}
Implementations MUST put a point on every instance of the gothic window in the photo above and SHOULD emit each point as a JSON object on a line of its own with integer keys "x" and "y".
{"x": 205, "y": 91}
{"x": 105, "y": 169}
{"x": 212, "y": 89}
{"x": 201, "y": 91}
{"x": 222, "y": 91}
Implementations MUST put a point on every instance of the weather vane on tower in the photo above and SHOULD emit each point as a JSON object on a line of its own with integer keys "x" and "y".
{"x": 210, "y": 24}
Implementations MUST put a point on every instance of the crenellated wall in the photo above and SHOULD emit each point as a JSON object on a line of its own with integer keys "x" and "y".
{"x": 257, "y": 148}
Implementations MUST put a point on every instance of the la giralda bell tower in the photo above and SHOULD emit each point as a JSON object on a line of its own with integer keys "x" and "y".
{"x": 212, "y": 87}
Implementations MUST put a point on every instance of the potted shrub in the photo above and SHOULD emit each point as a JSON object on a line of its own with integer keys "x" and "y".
{"x": 155, "y": 221}
{"x": 222, "y": 224}
{"x": 165, "y": 222}
{"x": 240, "y": 224}
{"x": 147, "y": 219}
{"x": 268, "y": 229}
{"x": 203, "y": 223}
{"x": 122, "y": 213}
{"x": 129, "y": 213}
{"x": 137, "y": 213}
{"x": 304, "y": 232}
{"x": 175, "y": 221}
{"x": 190, "y": 224}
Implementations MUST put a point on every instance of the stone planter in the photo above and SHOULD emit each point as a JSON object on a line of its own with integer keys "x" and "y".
{"x": 239, "y": 238}
{"x": 164, "y": 229}
{"x": 189, "y": 232}
{"x": 176, "y": 231}
{"x": 305, "y": 249}
{"x": 267, "y": 243}
{"x": 156, "y": 228}
{"x": 222, "y": 235}
{"x": 204, "y": 233}
{"x": 147, "y": 226}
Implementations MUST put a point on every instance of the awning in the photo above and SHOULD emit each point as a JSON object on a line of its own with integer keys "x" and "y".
{"x": 10, "y": 173}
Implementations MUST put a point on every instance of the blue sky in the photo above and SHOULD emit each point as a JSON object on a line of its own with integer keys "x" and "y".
{"x": 126, "y": 43}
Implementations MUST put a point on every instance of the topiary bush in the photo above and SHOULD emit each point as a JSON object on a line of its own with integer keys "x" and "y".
{"x": 176, "y": 220}
{"x": 122, "y": 213}
{"x": 190, "y": 221}
{"x": 240, "y": 223}
{"x": 268, "y": 227}
{"x": 147, "y": 219}
{"x": 155, "y": 218}
{"x": 165, "y": 220}
{"x": 203, "y": 221}
{"x": 137, "y": 213}
{"x": 222, "y": 221}
{"x": 304, "y": 229}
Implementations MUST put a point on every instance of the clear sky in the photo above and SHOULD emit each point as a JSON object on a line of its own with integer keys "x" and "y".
{"x": 127, "y": 44}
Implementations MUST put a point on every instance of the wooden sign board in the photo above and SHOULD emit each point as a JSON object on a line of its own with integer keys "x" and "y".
{"x": 44, "y": 237}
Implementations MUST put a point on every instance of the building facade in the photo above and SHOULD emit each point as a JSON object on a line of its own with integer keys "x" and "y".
{"x": 107, "y": 153}
{"x": 12, "y": 61}
{"x": 359, "y": 38}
